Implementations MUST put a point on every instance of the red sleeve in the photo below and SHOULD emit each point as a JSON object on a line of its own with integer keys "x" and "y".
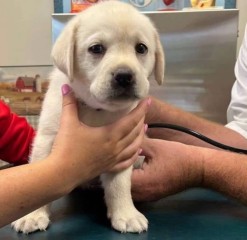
{"x": 16, "y": 136}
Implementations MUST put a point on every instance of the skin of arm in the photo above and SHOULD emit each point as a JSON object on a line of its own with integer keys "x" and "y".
{"x": 165, "y": 113}
{"x": 181, "y": 166}
{"x": 183, "y": 161}
{"x": 27, "y": 187}
{"x": 171, "y": 167}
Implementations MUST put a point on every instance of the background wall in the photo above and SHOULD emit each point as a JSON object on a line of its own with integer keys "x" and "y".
{"x": 242, "y": 6}
{"x": 25, "y": 32}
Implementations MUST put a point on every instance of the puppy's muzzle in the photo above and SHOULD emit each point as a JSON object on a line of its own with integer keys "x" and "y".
{"x": 123, "y": 78}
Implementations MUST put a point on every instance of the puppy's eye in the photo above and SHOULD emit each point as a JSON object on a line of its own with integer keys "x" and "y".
{"x": 141, "y": 48}
{"x": 97, "y": 49}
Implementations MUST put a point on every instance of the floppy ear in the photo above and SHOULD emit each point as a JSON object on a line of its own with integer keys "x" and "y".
{"x": 63, "y": 50}
{"x": 159, "y": 67}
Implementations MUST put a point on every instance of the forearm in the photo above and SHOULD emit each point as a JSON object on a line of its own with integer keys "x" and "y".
{"x": 219, "y": 170}
{"x": 226, "y": 173}
{"x": 172, "y": 167}
{"x": 165, "y": 113}
{"x": 222, "y": 171}
{"x": 28, "y": 187}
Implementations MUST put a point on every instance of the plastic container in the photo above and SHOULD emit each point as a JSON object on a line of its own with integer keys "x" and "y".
{"x": 157, "y": 5}
{"x": 80, "y": 5}
{"x": 202, "y": 3}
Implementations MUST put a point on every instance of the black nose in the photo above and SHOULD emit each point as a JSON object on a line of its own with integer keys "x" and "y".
{"x": 123, "y": 77}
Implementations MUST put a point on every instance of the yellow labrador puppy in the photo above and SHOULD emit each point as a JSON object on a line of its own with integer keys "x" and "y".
{"x": 107, "y": 54}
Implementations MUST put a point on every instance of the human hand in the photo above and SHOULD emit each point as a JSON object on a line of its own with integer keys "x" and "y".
{"x": 82, "y": 152}
{"x": 169, "y": 167}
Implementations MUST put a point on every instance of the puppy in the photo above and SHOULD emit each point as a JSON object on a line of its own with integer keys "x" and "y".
{"x": 107, "y": 54}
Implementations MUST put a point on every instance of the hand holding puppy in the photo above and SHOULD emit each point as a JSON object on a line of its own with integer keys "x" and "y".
{"x": 79, "y": 154}
{"x": 169, "y": 168}
{"x": 87, "y": 152}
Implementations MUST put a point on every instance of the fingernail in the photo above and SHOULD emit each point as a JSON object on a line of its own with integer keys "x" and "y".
{"x": 66, "y": 89}
{"x": 140, "y": 151}
{"x": 149, "y": 101}
{"x": 145, "y": 127}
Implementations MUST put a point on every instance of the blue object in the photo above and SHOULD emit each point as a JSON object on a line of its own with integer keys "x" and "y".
{"x": 230, "y": 4}
{"x": 62, "y": 6}
{"x": 227, "y": 4}
{"x": 58, "y": 6}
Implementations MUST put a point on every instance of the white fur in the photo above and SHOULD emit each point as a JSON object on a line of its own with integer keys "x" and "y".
{"x": 119, "y": 27}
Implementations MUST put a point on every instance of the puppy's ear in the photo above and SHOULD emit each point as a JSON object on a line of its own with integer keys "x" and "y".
{"x": 159, "y": 67}
{"x": 63, "y": 50}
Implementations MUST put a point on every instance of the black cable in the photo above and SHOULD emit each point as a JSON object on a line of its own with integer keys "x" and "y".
{"x": 197, "y": 135}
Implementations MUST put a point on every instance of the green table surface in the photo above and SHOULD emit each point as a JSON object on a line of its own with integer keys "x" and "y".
{"x": 193, "y": 214}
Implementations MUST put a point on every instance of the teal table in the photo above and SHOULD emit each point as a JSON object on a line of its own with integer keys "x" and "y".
{"x": 194, "y": 214}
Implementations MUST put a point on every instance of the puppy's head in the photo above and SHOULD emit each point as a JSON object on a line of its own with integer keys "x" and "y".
{"x": 110, "y": 52}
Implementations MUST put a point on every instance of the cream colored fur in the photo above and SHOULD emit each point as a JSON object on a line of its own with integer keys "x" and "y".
{"x": 119, "y": 27}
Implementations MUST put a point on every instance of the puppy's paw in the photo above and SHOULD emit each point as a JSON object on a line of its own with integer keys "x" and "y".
{"x": 37, "y": 220}
{"x": 129, "y": 221}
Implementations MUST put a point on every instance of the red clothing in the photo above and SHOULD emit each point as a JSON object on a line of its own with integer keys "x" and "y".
{"x": 16, "y": 136}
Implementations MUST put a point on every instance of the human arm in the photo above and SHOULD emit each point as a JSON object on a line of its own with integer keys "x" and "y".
{"x": 16, "y": 136}
{"x": 27, "y": 187}
{"x": 172, "y": 167}
{"x": 165, "y": 113}
{"x": 236, "y": 114}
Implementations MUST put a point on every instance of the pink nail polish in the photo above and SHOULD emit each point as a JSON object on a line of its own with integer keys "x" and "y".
{"x": 149, "y": 101}
{"x": 140, "y": 151}
{"x": 145, "y": 127}
{"x": 66, "y": 89}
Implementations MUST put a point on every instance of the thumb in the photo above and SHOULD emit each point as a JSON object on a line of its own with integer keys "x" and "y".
{"x": 69, "y": 106}
{"x": 139, "y": 175}
{"x": 147, "y": 147}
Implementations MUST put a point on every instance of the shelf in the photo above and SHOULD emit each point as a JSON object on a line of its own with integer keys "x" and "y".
{"x": 185, "y": 10}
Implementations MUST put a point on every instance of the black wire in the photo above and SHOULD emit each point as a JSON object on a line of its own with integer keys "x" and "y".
{"x": 197, "y": 135}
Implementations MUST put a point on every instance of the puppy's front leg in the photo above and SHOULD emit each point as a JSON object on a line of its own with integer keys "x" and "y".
{"x": 120, "y": 208}
{"x": 38, "y": 219}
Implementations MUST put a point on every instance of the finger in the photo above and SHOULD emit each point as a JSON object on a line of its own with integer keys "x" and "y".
{"x": 69, "y": 107}
{"x": 125, "y": 164}
{"x": 131, "y": 148}
{"x": 137, "y": 181}
{"x": 126, "y": 124}
{"x": 142, "y": 175}
{"x": 146, "y": 147}
{"x": 137, "y": 133}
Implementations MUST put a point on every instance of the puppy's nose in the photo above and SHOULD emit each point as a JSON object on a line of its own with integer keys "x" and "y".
{"x": 123, "y": 77}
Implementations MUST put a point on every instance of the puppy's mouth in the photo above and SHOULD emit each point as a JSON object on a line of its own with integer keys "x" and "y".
{"x": 116, "y": 100}
{"x": 123, "y": 95}
{"x": 121, "y": 91}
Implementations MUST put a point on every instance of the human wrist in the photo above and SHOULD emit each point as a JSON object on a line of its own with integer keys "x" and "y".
{"x": 194, "y": 162}
{"x": 62, "y": 178}
{"x": 220, "y": 168}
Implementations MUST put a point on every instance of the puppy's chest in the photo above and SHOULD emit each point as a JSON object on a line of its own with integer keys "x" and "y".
{"x": 96, "y": 118}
